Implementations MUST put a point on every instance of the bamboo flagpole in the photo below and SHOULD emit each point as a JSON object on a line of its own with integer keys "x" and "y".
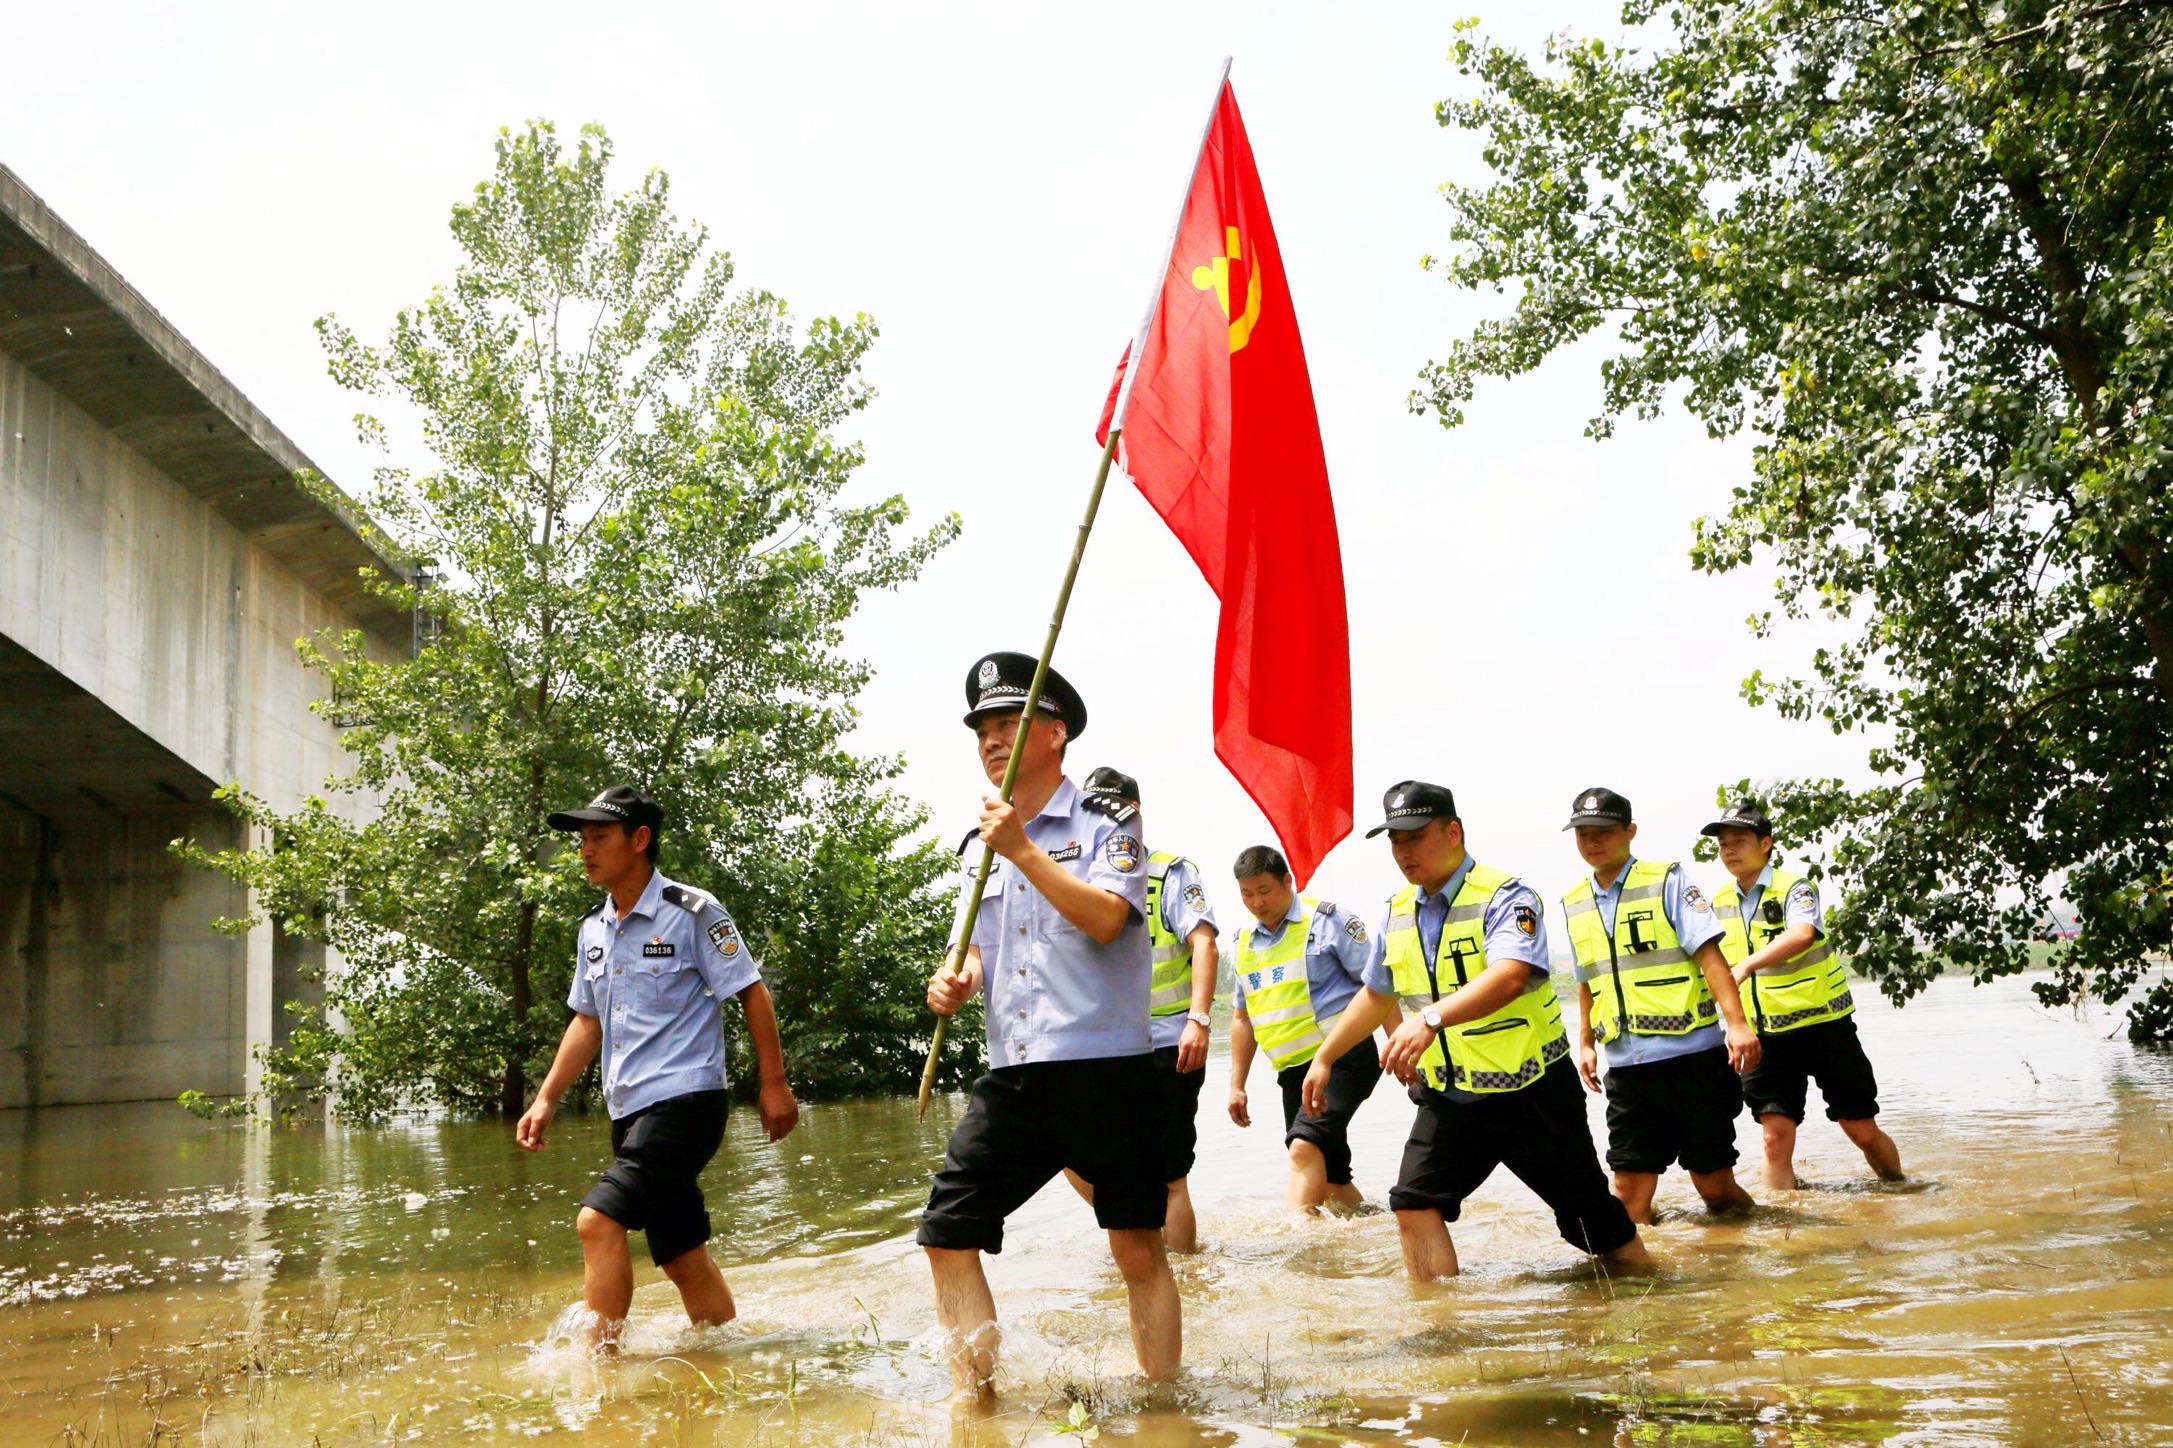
{"x": 954, "y": 959}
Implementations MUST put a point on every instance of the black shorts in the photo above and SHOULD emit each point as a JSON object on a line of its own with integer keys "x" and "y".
{"x": 1024, "y": 1124}
{"x": 653, "y": 1181}
{"x": 1780, "y": 1083}
{"x": 1681, "y": 1109}
{"x": 1180, "y": 1110}
{"x": 1539, "y": 1133}
{"x": 1350, "y": 1081}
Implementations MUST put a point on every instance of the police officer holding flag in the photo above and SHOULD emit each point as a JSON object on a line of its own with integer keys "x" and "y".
{"x": 1060, "y": 952}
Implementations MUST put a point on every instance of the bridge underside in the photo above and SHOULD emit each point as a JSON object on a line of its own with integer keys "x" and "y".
{"x": 114, "y": 983}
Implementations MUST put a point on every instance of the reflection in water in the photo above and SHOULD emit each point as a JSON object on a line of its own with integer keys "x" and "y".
{"x": 160, "y": 1280}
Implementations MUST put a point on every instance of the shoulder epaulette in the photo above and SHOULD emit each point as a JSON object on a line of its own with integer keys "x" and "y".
{"x": 967, "y": 843}
{"x": 1116, "y": 807}
{"x": 600, "y": 904}
{"x": 694, "y": 902}
{"x": 1326, "y": 909}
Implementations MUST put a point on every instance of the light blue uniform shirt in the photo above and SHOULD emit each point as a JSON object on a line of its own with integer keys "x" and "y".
{"x": 1802, "y": 905}
{"x": 1184, "y": 908}
{"x": 1691, "y": 917}
{"x": 1053, "y": 992}
{"x": 1336, "y": 953}
{"x": 1515, "y": 907}
{"x": 655, "y": 978}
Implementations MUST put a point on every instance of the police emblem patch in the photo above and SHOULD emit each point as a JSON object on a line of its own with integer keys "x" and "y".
{"x": 1695, "y": 898}
{"x": 1803, "y": 894}
{"x": 1591, "y": 801}
{"x": 1355, "y": 928}
{"x": 1195, "y": 897}
{"x": 596, "y": 952}
{"x": 1527, "y": 920}
{"x": 989, "y": 672}
{"x": 1122, "y": 852}
{"x": 725, "y": 938}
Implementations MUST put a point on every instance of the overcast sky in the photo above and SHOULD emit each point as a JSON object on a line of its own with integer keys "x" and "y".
{"x": 992, "y": 185}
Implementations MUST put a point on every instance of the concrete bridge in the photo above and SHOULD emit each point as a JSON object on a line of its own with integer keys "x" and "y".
{"x": 157, "y": 564}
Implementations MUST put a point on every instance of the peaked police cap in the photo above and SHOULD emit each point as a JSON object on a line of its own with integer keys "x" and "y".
{"x": 1598, "y": 806}
{"x": 1113, "y": 781}
{"x": 1413, "y": 802}
{"x": 1741, "y": 815}
{"x": 621, "y": 804}
{"x": 998, "y": 683}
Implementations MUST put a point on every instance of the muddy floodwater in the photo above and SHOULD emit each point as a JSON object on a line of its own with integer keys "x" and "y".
{"x": 163, "y": 1281}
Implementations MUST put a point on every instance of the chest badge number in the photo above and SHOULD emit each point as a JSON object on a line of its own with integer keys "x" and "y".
{"x": 658, "y": 949}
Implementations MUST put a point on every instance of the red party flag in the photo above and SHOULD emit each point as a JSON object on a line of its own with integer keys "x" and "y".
{"x": 1219, "y": 433}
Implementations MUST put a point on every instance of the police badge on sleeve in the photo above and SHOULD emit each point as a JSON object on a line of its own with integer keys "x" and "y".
{"x": 1123, "y": 853}
{"x": 725, "y": 938}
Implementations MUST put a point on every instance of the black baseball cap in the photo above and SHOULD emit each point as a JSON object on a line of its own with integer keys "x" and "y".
{"x": 1410, "y": 804}
{"x": 998, "y": 683}
{"x": 1740, "y": 815}
{"x": 1598, "y": 806}
{"x": 621, "y": 804}
{"x": 1113, "y": 781}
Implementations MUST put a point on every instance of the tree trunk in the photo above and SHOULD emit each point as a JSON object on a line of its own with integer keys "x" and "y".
{"x": 513, "y": 1097}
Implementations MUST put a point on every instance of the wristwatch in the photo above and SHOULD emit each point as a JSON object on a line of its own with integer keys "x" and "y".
{"x": 1431, "y": 1017}
{"x": 1200, "y": 1018}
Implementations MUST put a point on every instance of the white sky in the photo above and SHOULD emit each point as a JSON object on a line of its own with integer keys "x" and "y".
{"x": 992, "y": 184}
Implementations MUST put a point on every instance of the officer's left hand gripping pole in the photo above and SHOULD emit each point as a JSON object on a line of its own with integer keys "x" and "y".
{"x": 954, "y": 960}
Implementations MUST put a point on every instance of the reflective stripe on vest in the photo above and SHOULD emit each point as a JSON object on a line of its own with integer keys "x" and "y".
{"x": 1804, "y": 989}
{"x": 1639, "y": 973}
{"x": 1505, "y": 1050}
{"x": 1278, "y": 996}
{"x": 1172, "y": 954}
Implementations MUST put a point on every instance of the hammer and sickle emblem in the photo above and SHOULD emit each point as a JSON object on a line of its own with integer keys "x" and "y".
{"x": 1215, "y": 276}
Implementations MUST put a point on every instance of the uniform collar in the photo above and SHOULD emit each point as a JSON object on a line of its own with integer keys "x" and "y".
{"x": 651, "y": 893}
{"x": 1620, "y": 876}
{"x": 1449, "y": 887}
{"x": 1062, "y": 802}
{"x": 1765, "y": 878}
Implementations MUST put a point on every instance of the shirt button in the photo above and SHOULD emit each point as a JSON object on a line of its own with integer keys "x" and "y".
{"x": 1022, "y": 1015}
{"x": 1022, "y": 930}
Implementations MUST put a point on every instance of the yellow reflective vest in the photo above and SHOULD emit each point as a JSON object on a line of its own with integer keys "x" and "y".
{"x": 1804, "y": 989}
{"x": 1639, "y": 974}
{"x": 1172, "y": 953}
{"x": 1278, "y": 998}
{"x": 1504, "y": 1051}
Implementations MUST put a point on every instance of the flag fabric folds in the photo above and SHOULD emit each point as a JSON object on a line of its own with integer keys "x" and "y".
{"x": 1220, "y": 433}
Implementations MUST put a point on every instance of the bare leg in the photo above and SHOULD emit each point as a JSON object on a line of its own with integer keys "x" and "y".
{"x": 607, "y": 1276}
{"x": 1780, "y": 1167}
{"x": 1308, "y": 1177}
{"x": 1634, "y": 1189}
{"x": 1157, "y": 1323}
{"x": 967, "y": 1311}
{"x": 1721, "y": 1191}
{"x": 1180, "y": 1229}
{"x": 1428, "y": 1254}
{"x": 1345, "y": 1195}
{"x": 701, "y": 1287}
{"x": 1630, "y": 1254}
{"x": 1878, "y": 1148}
{"x": 1081, "y": 1185}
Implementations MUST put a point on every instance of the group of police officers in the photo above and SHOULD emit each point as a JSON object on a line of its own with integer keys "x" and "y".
{"x": 1096, "y": 959}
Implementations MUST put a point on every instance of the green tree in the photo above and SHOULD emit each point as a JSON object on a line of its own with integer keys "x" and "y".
{"x": 1920, "y": 254}
{"x": 639, "y": 566}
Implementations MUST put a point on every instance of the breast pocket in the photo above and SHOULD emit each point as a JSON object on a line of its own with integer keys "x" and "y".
{"x": 664, "y": 985}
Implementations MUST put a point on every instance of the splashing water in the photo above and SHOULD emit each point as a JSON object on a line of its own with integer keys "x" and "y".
{"x": 257, "y": 1286}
